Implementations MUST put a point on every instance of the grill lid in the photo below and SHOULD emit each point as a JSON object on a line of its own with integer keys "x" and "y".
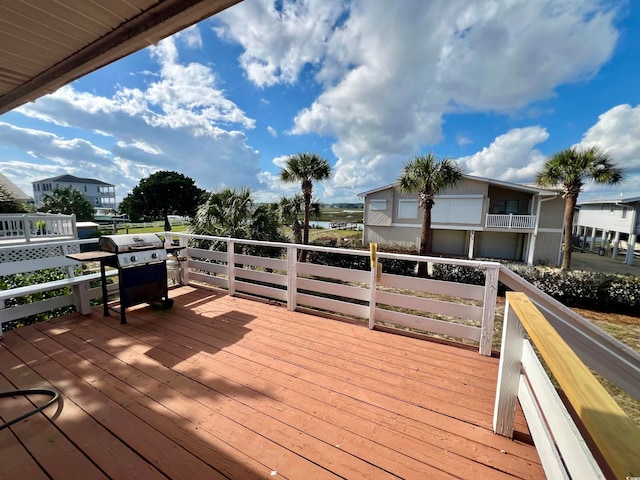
{"x": 130, "y": 243}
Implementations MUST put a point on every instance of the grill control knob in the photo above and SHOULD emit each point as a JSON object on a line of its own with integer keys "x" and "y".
{"x": 133, "y": 258}
{"x": 154, "y": 255}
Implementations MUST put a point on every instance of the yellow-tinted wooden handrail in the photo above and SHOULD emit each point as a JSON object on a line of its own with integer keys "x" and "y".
{"x": 617, "y": 437}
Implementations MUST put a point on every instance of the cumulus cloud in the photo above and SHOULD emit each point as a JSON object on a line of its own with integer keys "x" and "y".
{"x": 181, "y": 121}
{"x": 390, "y": 71}
{"x": 617, "y": 133}
{"x": 279, "y": 42}
{"x": 272, "y": 131}
{"x": 510, "y": 157}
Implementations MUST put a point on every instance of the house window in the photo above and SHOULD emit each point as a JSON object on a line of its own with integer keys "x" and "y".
{"x": 85, "y": 189}
{"x": 378, "y": 205}
{"x": 623, "y": 213}
{"x": 612, "y": 208}
{"x": 408, "y": 209}
{"x": 506, "y": 206}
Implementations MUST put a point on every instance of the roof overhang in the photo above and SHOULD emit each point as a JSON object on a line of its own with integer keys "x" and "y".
{"x": 512, "y": 186}
{"x": 45, "y": 45}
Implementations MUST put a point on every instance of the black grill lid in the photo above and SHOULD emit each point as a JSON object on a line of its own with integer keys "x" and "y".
{"x": 130, "y": 243}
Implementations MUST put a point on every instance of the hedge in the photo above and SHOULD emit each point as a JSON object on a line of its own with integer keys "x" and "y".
{"x": 604, "y": 292}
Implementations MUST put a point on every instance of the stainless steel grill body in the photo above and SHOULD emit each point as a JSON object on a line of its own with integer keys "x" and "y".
{"x": 142, "y": 270}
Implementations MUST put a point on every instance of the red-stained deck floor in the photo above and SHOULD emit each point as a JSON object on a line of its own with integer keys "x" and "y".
{"x": 224, "y": 387}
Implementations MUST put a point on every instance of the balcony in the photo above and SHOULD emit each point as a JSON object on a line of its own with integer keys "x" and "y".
{"x": 510, "y": 221}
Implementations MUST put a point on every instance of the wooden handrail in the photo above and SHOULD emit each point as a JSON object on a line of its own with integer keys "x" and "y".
{"x": 615, "y": 435}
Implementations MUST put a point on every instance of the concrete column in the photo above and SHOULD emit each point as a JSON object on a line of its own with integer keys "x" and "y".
{"x": 472, "y": 239}
{"x": 631, "y": 246}
{"x": 592, "y": 246}
{"x": 584, "y": 237}
{"x": 616, "y": 243}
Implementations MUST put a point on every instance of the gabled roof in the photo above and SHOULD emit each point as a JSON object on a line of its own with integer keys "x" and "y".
{"x": 490, "y": 181}
{"x": 73, "y": 179}
{"x": 46, "y": 44}
{"x": 13, "y": 189}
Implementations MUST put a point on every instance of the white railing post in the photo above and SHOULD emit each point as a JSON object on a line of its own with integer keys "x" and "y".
{"x": 231, "y": 265}
{"x": 292, "y": 278}
{"x": 26, "y": 224}
{"x": 508, "y": 374}
{"x": 184, "y": 267}
{"x": 489, "y": 309}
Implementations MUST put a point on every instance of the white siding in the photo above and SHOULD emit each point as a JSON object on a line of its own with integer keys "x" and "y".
{"x": 605, "y": 216}
{"x": 458, "y": 211}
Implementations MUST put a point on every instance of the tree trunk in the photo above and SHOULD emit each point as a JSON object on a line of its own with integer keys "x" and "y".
{"x": 167, "y": 225}
{"x": 307, "y": 219}
{"x": 425, "y": 240}
{"x": 569, "y": 210}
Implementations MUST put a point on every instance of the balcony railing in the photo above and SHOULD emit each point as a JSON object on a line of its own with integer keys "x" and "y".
{"x": 28, "y": 227}
{"x": 511, "y": 221}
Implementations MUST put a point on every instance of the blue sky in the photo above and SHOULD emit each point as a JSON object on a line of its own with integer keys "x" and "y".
{"x": 366, "y": 84}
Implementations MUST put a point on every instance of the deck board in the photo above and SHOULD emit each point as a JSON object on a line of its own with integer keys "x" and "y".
{"x": 225, "y": 387}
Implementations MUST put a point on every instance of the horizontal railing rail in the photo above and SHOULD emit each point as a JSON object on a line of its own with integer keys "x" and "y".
{"x": 29, "y": 227}
{"x": 467, "y": 312}
{"x": 598, "y": 350}
{"x": 510, "y": 221}
{"x": 563, "y": 451}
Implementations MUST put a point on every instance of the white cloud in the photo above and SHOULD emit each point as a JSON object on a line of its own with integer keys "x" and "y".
{"x": 272, "y": 131}
{"x": 281, "y": 161}
{"x": 180, "y": 121}
{"x": 462, "y": 140}
{"x": 617, "y": 132}
{"x": 510, "y": 157}
{"x": 279, "y": 42}
{"x": 390, "y": 71}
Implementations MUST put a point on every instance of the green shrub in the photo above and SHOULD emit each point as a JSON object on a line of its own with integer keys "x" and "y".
{"x": 21, "y": 280}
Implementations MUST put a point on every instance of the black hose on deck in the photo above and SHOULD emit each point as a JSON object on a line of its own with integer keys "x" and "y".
{"x": 55, "y": 397}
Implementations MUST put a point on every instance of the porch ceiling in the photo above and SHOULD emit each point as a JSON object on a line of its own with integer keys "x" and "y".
{"x": 45, "y": 44}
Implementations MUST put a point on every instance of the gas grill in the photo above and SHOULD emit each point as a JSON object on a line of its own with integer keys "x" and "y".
{"x": 141, "y": 261}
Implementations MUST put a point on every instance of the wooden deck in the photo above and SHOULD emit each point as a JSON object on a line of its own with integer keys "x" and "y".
{"x": 223, "y": 387}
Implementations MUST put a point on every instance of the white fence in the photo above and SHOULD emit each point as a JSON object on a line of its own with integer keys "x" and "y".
{"x": 467, "y": 312}
{"x": 511, "y": 221}
{"x": 30, "y": 227}
{"x": 272, "y": 271}
{"x": 35, "y": 257}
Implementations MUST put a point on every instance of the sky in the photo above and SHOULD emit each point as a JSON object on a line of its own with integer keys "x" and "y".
{"x": 498, "y": 86}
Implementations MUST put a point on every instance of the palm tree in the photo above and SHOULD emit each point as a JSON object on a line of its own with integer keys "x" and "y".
{"x": 290, "y": 209}
{"x": 428, "y": 175}
{"x": 305, "y": 168}
{"x": 571, "y": 168}
{"x": 225, "y": 213}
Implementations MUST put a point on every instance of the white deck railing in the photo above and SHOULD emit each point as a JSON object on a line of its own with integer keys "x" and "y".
{"x": 466, "y": 311}
{"x": 562, "y": 449}
{"x": 510, "y": 221}
{"x": 30, "y": 227}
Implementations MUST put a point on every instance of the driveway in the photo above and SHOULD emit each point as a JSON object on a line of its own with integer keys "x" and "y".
{"x": 595, "y": 263}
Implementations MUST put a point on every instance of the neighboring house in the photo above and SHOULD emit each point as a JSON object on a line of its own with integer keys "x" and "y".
{"x": 14, "y": 190}
{"x": 99, "y": 193}
{"x": 479, "y": 217}
{"x": 616, "y": 222}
